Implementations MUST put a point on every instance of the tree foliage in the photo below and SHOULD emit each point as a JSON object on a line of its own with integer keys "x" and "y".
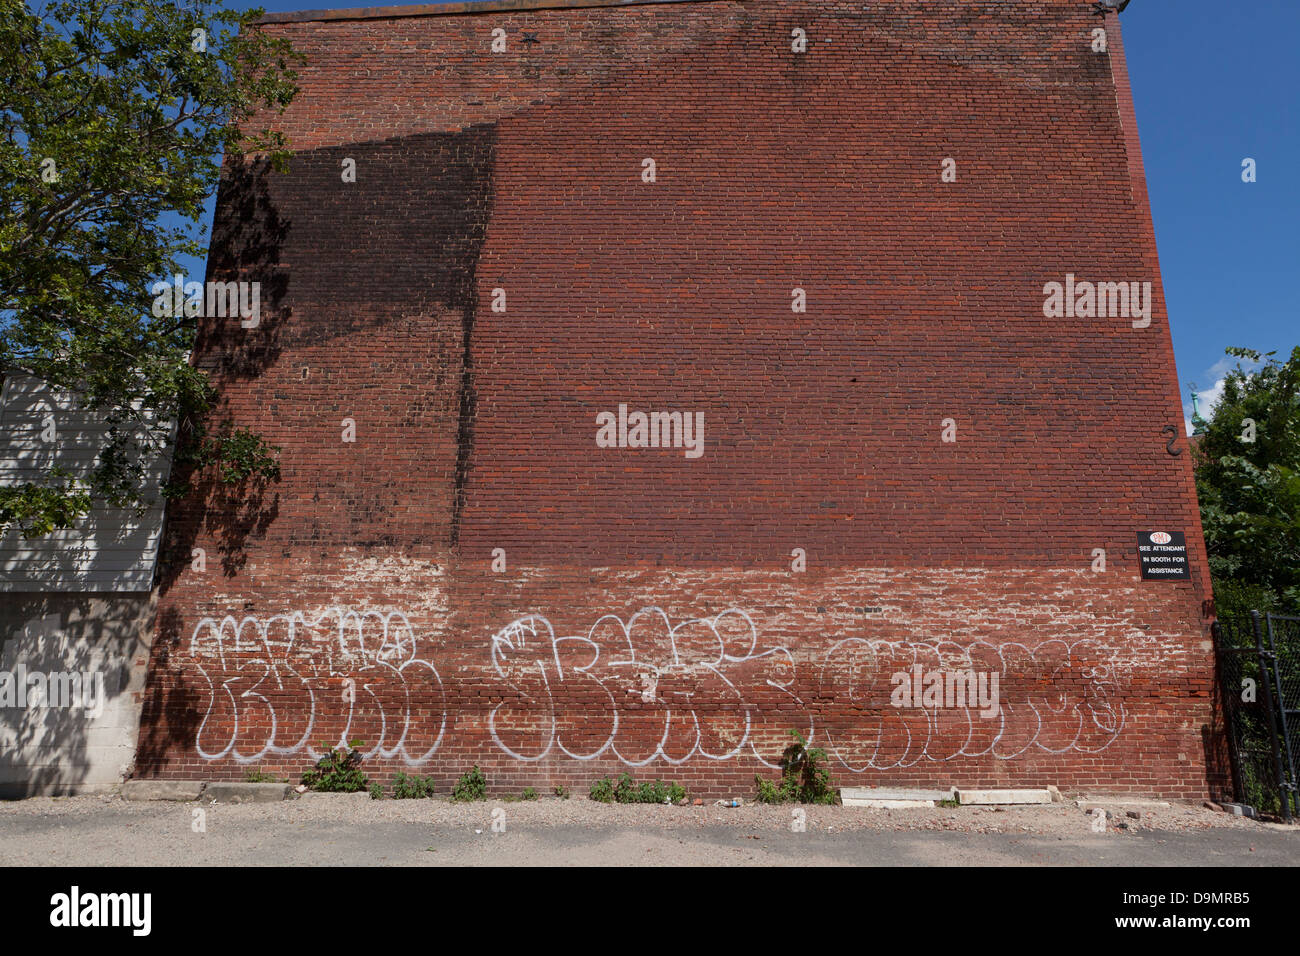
{"x": 116, "y": 116}
{"x": 1249, "y": 490}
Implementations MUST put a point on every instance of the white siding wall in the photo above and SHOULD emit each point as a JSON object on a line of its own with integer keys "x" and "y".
{"x": 111, "y": 549}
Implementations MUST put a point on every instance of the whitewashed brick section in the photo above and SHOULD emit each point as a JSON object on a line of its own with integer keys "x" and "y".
{"x": 110, "y": 549}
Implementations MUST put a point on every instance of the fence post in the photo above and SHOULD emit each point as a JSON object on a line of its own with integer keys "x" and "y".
{"x": 1290, "y": 792}
{"x": 1266, "y": 680}
{"x": 1231, "y": 719}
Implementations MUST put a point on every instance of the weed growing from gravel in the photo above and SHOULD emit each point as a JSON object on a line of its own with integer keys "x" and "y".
{"x": 471, "y": 786}
{"x": 339, "y": 771}
{"x": 804, "y": 777}
{"x": 627, "y": 790}
{"x": 257, "y": 775}
{"x": 411, "y": 788}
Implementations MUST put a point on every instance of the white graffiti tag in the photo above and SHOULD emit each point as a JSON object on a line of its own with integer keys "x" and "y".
{"x": 1056, "y": 697}
{"x": 644, "y": 689}
{"x": 265, "y": 677}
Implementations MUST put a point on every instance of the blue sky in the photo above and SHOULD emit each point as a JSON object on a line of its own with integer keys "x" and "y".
{"x": 1214, "y": 83}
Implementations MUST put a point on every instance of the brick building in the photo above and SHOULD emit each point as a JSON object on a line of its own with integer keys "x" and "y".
{"x": 824, "y": 234}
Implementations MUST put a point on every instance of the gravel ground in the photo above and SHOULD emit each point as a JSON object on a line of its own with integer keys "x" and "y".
{"x": 353, "y": 829}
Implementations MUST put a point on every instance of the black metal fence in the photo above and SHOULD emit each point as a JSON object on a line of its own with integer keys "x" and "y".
{"x": 1259, "y": 674}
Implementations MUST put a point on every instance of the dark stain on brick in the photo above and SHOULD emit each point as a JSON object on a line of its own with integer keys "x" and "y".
{"x": 413, "y": 224}
{"x": 247, "y": 234}
{"x": 396, "y": 250}
{"x": 480, "y": 155}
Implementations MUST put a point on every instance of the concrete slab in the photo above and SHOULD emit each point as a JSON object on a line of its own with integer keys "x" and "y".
{"x": 162, "y": 789}
{"x": 887, "y": 804}
{"x": 893, "y": 793}
{"x": 317, "y": 796}
{"x": 1088, "y": 804}
{"x": 248, "y": 792}
{"x": 1003, "y": 797}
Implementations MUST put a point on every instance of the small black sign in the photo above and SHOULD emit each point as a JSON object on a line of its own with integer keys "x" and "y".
{"x": 1163, "y": 555}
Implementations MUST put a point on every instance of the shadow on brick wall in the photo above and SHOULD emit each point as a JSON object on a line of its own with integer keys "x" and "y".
{"x": 401, "y": 253}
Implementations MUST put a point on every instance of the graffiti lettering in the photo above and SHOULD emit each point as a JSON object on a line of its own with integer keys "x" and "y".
{"x": 263, "y": 677}
{"x": 644, "y": 689}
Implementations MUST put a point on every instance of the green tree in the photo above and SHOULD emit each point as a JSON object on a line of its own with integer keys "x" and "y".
{"x": 116, "y": 116}
{"x": 1248, "y": 482}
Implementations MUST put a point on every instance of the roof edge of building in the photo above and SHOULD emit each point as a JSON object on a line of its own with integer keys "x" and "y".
{"x": 460, "y": 7}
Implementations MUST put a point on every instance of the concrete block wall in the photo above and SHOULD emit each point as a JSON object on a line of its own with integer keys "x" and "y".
{"x": 56, "y": 744}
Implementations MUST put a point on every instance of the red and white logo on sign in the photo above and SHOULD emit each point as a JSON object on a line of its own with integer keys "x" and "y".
{"x": 1159, "y": 537}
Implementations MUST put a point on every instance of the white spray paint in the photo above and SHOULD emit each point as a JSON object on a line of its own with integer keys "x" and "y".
{"x": 1076, "y": 708}
{"x": 370, "y": 653}
{"x": 649, "y": 676}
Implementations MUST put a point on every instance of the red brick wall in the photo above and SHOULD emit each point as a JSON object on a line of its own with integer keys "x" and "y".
{"x": 648, "y": 617}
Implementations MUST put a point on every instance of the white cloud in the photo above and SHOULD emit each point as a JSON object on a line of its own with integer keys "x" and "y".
{"x": 1222, "y": 367}
{"x": 1208, "y": 398}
